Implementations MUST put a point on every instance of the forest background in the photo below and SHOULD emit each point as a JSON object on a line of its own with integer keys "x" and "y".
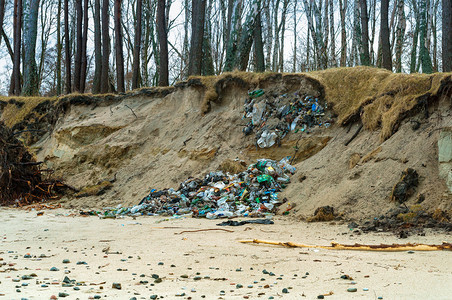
{"x": 54, "y": 47}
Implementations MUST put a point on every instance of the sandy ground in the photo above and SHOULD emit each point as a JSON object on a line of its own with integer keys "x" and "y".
{"x": 213, "y": 261}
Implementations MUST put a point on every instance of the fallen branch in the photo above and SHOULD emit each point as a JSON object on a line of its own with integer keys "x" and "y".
{"x": 132, "y": 111}
{"x": 360, "y": 247}
{"x": 199, "y": 230}
{"x": 355, "y": 135}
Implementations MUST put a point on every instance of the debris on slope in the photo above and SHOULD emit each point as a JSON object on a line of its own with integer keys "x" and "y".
{"x": 274, "y": 116}
{"x": 405, "y": 188}
{"x": 251, "y": 193}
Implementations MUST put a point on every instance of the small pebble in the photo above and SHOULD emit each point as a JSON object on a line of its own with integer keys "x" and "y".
{"x": 197, "y": 278}
{"x": 97, "y": 296}
{"x": 285, "y": 291}
{"x": 160, "y": 263}
{"x": 155, "y": 276}
{"x": 158, "y": 280}
{"x": 44, "y": 285}
{"x": 365, "y": 289}
{"x": 239, "y": 286}
{"x": 76, "y": 288}
{"x": 81, "y": 263}
{"x": 320, "y": 297}
{"x": 153, "y": 297}
{"x": 352, "y": 290}
{"x": 53, "y": 269}
{"x": 66, "y": 261}
{"x": 184, "y": 276}
{"x": 116, "y": 285}
{"x": 62, "y": 294}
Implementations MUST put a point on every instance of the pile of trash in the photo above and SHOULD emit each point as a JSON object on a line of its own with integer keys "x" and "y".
{"x": 273, "y": 117}
{"x": 252, "y": 193}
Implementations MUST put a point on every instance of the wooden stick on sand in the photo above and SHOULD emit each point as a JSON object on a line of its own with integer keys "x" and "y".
{"x": 360, "y": 247}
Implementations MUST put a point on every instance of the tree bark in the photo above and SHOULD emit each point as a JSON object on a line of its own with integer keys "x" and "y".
{"x": 97, "y": 49}
{"x": 15, "y": 88}
{"x": 105, "y": 83}
{"x": 333, "y": 36}
{"x": 2, "y": 16}
{"x": 343, "y": 10}
{"x": 163, "y": 42}
{"x": 78, "y": 40}
{"x": 424, "y": 55}
{"x": 31, "y": 80}
{"x": 447, "y": 35}
{"x": 67, "y": 47}
{"x": 258, "y": 44}
{"x": 59, "y": 48}
{"x": 400, "y": 33}
{"x": 119, "y": 48}
{"x": 137, "y": 47}
{"x": 232, "y": 46}
{"x": 384, "y": 32}
{"x": 246, "y": 39}
{"x": 84, "y": 63}
{"x": 197, "y": 34}
{"x": 365, "y": 59}
{"x": 207, "y": 61}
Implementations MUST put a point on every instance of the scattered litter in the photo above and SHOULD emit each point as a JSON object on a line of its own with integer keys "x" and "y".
{"x": 240, "y": 223}
{"x": 273, "y": 117}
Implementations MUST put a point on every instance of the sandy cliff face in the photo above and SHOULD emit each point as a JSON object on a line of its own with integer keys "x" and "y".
{"x": 123, "y": 148}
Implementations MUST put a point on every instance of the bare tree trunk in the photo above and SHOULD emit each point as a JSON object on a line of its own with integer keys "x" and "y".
{"x": 233, "y": 39}
{"x": 269, "y": 37}
{"x": 282, "y": 32}
{"x": 246, "y": 39}
{"x": 294, "y": 57}
{"x": 401, "y": 25}
{"x": 163, "y": 40}
{"x": 97, "y": 49}
{"x": 326, "y": 31}
{"x": 258, "y": 44}
{"x": 84, "y": 63}
{"x": 137, "y": 47}
{"x": 373, "y": 23}
{"x": 384, "y": 32}
{"x": 435, "y": 37}
{"x": 59, "y": 48}
{"x": 2, "y": 16}
{"x": 343, "y": 10}
{"x": 105, "y": 80}
{"x": 15, "y": 87}
{"x": 333, "y": 60}
{"x": 365, "y": 59}
{"x": 207, "y": 67}
{"x": 447, "y": 35}
{"x": 67, "y": 47}
{"x": 424, "y": 55}
{"x": 78, "y": 52}
{"x": 119, "y": 48}
{"x": 276, "y": 36}
{"x": 308, "y": 51}
{"x": 31, "y": 80}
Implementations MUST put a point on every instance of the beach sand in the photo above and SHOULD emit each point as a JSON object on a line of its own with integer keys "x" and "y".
{"x": 196, "y": 265}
